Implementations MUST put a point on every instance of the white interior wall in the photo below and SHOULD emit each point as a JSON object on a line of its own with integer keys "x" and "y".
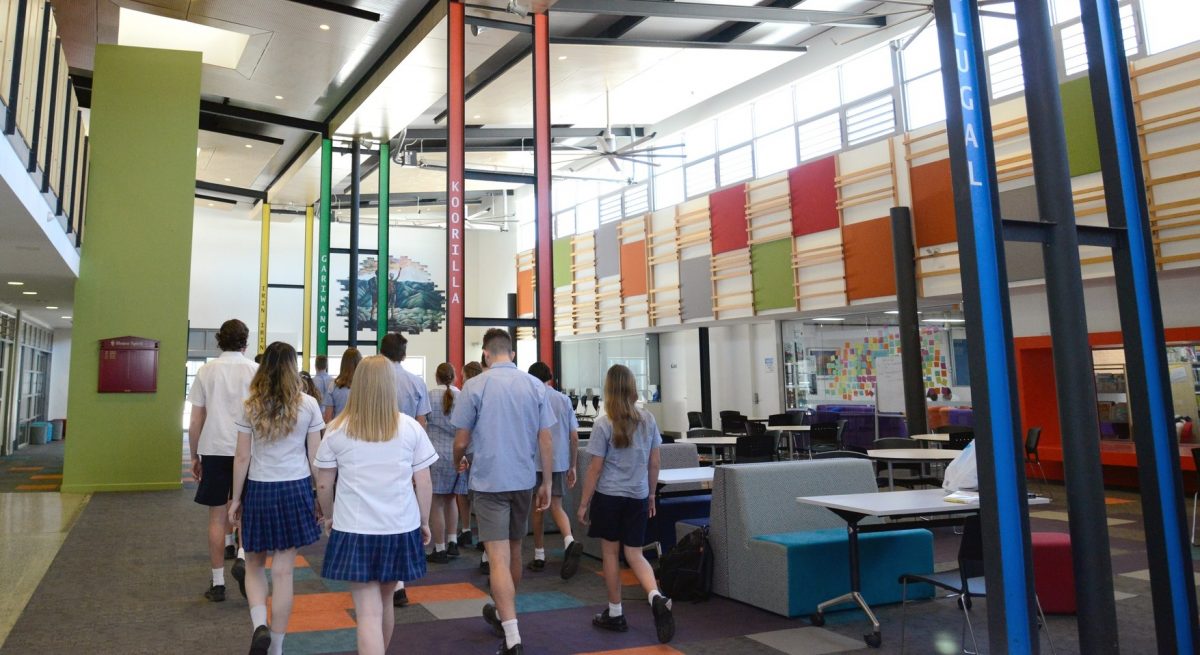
{"x": 60, "y": 370}
{"x": 679, "y": 377}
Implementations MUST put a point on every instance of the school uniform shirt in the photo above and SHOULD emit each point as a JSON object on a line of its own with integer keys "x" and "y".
{"x": 374, "y": 492}
{"x": 324, "y": 382}
{"x": 504, "y": 408}
{"x": 285, "y": 458}
{"x": 221, "y": 388}
{"x": 438, "y": 426}
{"x": 336, "y": 398}
{"x": 626, "y": 470}
{"x": 566, "y": 422}
{"x": 412, "y": 396}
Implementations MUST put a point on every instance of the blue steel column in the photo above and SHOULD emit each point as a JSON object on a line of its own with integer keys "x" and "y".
{"x": 1168, "y": 550}
{"x": 1004, "y": 515}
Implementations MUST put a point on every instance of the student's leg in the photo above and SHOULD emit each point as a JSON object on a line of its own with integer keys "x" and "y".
{"x": 368, "y": 610}
{"x": 560, "y": 518}
{"x": 218, "y": 523}
{"x": 256, "y": 580}
{"x": 539, "y": 536}
{"x": 503, "y": 577}
{"x": 641, "y": 568}
{"x": 464, "y": 511}
{"x": 283, "y": 563}
{"x": 437, "y": 522}
{"x": 389, "y": 617}
{"x": 610, "y": 552}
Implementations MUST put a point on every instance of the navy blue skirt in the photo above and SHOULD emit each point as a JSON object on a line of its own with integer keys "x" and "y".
{"x": 278, "y": 515}
{"x": 354, "y": 557}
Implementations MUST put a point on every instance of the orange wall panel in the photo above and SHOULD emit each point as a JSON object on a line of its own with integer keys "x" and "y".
{"x": 933, "y": 204}
{"x": 870, "y": 268}
{"x": 524, "y": 292}
{"x": 633, "y": 269}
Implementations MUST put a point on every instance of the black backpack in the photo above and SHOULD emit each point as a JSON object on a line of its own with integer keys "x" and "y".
{"x": 686, "y": 572}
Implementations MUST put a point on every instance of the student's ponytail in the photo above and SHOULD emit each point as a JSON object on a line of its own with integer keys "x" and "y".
{"x": 445, "y": 375}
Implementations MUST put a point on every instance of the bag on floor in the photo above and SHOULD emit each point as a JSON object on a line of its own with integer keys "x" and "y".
{"x": 685, "y": 573}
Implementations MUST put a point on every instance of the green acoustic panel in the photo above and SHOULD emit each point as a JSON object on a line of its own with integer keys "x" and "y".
{"x": 773, "y": 279}
{"x": 562, "y": 262}
{"x": 1083, "y": 148}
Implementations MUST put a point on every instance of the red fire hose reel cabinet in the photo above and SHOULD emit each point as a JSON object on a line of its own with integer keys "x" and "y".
{"x": 128, "y": 365}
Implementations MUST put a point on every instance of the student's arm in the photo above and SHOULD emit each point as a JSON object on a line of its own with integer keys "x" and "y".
{"x": 195, "y": 427}
{"x": 241, "y": 467}
{"x": 328, "y": 414}
{"x": 424, "y": 422}
{"x": 655, "y": 463}
{"x": 573, "y": 449}
{"x": 462, "y": 441}
{"x": 326, "y": 478}
{"x": 314, "y": 442}
{"x": 589, "y": 488}
{"x": 546, "y": 450}
{"x": 424, "y": 489}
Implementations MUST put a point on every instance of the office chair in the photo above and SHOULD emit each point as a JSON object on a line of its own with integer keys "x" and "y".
{"x": 1032, "y": 438}
{"x": 596, "y": 403}
{"x": 733, "y": 422}
{"x": 754, "y": 448}
{"x": 824, "y": 437}
{"x": 695, "y": 420}
{"x": 959, "y": 440}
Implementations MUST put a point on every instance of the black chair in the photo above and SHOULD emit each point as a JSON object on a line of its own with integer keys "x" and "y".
{"x": 953, "y": 429}
{"x": 964, "y": 583}
{"x": 704, "y": 432}
{"x": 782, "y": 419}
{"x": 596, "y": 403}
{"x": 732, "y": 422}
{"x": 754, "y": 448}
{"x": 824, "y": 437}
{"x": 1032, "y": 438}
{"x": 755, "y": 428}
{"x": 574, "y": 400}
{"x": 835, "y": 454}
{"x": 696, "y": 420}
{"x": 959, "y": 440}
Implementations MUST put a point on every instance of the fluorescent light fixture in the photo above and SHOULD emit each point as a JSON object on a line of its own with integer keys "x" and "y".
{"x": 895, "y": 312}
{"x": 16, "y": 284}
{"x": 51, "y": 307}
{"x": 562, "y": 57}
{"x": 324, "y": 27}
{"x": 249, "y": 145}
{"x": 943, "y": 320}
{"x": 829, "y": 319}
{"x": 217, "y": 46}
{"x": 66, "y": 317}
{"x": 279, "y": 97}
{"x": 29, "y": 293}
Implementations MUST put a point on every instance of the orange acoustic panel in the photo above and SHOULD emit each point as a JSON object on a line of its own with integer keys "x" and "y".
{"x": 727, "y": 211}
{"x": 524, "y": 292}
{"x": 813, "y": 197}
{"x": 933, "y": 203}
{"x": 633, "y": 269}
{"x": 870, "y": 267}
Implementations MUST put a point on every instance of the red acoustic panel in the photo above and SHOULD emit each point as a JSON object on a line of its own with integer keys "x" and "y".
{"x": 933, "y": 204}
{"x": 633, "y": 269}
{"x": 814, "y": 197}
{"x": 870, "y": 265}
{"x": 727, "y": 211}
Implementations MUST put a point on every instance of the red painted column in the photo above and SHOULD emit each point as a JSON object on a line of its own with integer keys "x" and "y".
{"x": 455, "y": 177}
{"x": 544, "y": 270}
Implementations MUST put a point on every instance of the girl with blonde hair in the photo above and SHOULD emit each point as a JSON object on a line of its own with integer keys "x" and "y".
{"x": 279, "y": 427}
{"x": 616, "y": 499}
{"x": 379, "y": 509}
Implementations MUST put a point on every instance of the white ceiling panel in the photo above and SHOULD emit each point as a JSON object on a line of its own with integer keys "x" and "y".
{"x": 225, "y": 159}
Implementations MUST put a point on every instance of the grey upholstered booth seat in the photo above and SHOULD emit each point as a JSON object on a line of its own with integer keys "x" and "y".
{"x": 751, "y": 500}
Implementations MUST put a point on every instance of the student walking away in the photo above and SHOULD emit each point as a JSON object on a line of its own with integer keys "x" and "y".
{"x": 447, "y": 480}
{"x": 322, "y": 379}
{"x": 217, "y": 395}
{"x": 339, "y": 392}
{"x": 616, "y": 499}
{"x": 504, "y": 418}
{"x": 309, "y": 387}
{"x": 379, "y": 509}
{"x": 272, "y": 489}
{"x": 566, "y": 442}
{"x": 412, "y": 396}
{"x": 465, "y": 538}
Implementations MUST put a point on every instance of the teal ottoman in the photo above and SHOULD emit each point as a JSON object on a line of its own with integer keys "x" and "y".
{"x": 818, "y": 566}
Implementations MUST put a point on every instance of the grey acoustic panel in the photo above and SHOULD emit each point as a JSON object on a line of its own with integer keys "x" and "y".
{"x": 695, "y": 288}
{"x": 1024, "y": 260}
{"x": 608, "y": 251}
{"x": 1019, "y": 204}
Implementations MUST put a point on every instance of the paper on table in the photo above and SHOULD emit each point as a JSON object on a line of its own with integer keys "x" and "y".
{"x": 963, "y": 497}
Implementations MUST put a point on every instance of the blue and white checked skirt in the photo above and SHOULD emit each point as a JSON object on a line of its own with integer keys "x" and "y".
{"x": 278, "y": 515}
{"x": 354, "y": 557}
{"x": 444, "y": 472}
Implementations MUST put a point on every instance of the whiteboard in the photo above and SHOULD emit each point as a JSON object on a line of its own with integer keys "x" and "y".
{"x": 889, "y": 384}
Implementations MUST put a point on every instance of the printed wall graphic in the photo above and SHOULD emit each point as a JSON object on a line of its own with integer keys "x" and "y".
{"x": 415, "y": 304}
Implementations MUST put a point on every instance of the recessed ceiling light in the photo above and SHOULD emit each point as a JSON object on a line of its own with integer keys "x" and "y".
{"x": 943, "y": 320}
{"x": 894, "y": 312}
{"x": 829, "y": 319}
{"x": 29, "y": 293}
{"x": 16, "y": 284}
{"x": 226, "y": 179}
{"x": 324, "y": 27}
{"x": 66, "y": 317}
{"x": 562, "y": 57}
{"x": 476, "y": 116}
{"x": 51, "y": 307}
{"x": 279, "y": 97}
{"x": 210, "y": 204}
{"x": 249, "y": 145}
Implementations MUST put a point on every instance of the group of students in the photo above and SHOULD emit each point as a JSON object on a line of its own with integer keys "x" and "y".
{"x": 392, "y": 475}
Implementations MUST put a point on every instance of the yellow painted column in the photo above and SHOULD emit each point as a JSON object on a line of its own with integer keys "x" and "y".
{"x": 264, "y": 260}
{"x": 306, "y": 330}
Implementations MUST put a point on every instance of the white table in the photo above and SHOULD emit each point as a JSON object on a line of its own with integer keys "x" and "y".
{"x": 937, "y": 438}
{"x": 685, "y": 475}
{"x": 853, "y": 508}
{"x": 790, "y": 428}
{"x": 712, "y": 442}
{"x": 905, "y": 455}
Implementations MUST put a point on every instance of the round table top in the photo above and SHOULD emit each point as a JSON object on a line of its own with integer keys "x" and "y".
{"x": 930, "y": 437}
{"x": 913, "y": 454}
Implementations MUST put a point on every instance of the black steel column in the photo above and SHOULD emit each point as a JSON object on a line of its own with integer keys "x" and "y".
{"x": 1004, "y": 515}
{"x": 1074, "y": 384}
{"x": 1169, "y": 553}
{"x": 36, "y": 131}
{"x": 50, "y": 125}
{"x": 355, "y": 205}
{"x": 705, "y": 379}
{"x": 14, "y": 85}
{"x": 905, "y": 256}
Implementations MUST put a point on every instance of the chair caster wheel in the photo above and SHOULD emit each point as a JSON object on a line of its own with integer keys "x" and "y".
{"x": 873, "y": 640}
{"x": 817, "y": 619}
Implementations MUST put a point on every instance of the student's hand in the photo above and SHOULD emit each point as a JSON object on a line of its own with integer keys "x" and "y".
{"x": 426, "y": 535}
{"x": 464, "y": 464}
{"x": 326, "y": 525}
{"x": 196, "y": 467}
{"x": 543, "y": 496}
{"x": 571, "y": 478}
{"x": 235, "y": 513}
{"x": 582, "y": 514}
{"x": 650, "y": 509}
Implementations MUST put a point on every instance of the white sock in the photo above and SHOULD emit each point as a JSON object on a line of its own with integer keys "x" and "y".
{"x": 511, "y": 636}
{"x": 539, "y": 553}
{"x": 276, "y": 644}
{"x": 400, "y": 586}
{"x": 229, "y": 540}
{"x": 485, "y": 556}
{"x": 219, "y": 577}
{"x": 439, "y": 547}
{"x": 241, "y": 553}
{"x": 567, "y": 541}
{"x": 453, "y": 539}
{"x": 656, "y": 593}
{"x": 258, "y": 615}
{"x": 614, "y": 610}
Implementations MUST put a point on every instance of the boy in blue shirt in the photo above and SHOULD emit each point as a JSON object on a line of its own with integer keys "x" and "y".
{"x": 566, "y": 442}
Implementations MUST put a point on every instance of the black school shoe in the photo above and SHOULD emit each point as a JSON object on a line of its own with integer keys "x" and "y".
{"x": 260, "y": 643}
{"x": 464, "y": 537}
{"x": 614, "y": 623}
{"x": 239, "y": 574}
{"x": 485, "y": 568}
{"x": 231, "y": 552}
{"x": 452, "y": 550}
{"x": 437, "y": 557}
{"x": 400, "y": 598}
{"x": 664, "y": 622}
{"x": 537, "y": 565}
{"x": 493, "y": 619}
{"x": 570, "y": 565}
{"x": 216, "y": 593}
{"x": 517, "y": 649}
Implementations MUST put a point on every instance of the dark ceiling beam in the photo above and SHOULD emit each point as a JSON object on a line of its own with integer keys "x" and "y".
{"x": 731, "y": 31}
{"x": 420, "y": 199}
{"x": 228, "y": 190}
{"x": 670, "y": 43}
{"x": 492, "y": 23}
{"x": 339, "y": 8}
{"x": 510, "y": 133}
{"x": 737, "y": 13}
{"x": 500, "y": 62}
{"x": 257, "y": 116}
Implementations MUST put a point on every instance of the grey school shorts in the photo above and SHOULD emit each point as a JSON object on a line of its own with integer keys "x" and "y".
{"x": 502, "y": 516}
{"x": 558, "y": 483}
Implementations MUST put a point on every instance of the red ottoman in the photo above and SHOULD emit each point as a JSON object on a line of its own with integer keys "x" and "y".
{"x": 1053, "y": 572}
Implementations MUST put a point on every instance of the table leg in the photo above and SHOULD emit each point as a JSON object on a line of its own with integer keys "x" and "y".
{"x": 891, "y": 478}
{"x": 874, "y": 639}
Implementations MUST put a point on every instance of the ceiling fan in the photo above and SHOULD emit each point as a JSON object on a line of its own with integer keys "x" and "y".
{"x": 605, "y": 148}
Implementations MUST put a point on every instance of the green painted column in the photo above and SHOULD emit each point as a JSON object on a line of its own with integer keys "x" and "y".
{"x": 134, "y": 267}
{"x": 323, "y": 256}
{"x": 381, "y": 304}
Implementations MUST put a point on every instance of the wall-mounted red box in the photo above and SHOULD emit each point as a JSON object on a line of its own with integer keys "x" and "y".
{"x": 128, "y": 365}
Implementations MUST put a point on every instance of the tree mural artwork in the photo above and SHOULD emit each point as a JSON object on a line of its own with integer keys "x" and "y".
{"x": 415, "y": 304}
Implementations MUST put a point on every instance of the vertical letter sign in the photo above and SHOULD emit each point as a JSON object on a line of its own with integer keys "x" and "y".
{"x": 455, "y": 174}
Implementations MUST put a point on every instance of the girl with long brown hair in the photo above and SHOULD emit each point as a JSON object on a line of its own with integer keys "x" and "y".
{"x": 339, "y": 391}
{"x": 616, "y": 499}
{"x": 447, "y": 481}
{"x": 279, "y": 427}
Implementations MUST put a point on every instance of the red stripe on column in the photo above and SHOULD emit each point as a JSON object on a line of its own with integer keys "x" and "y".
{"x": 541, "y": 167}
{"x": 455, "y": 177}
